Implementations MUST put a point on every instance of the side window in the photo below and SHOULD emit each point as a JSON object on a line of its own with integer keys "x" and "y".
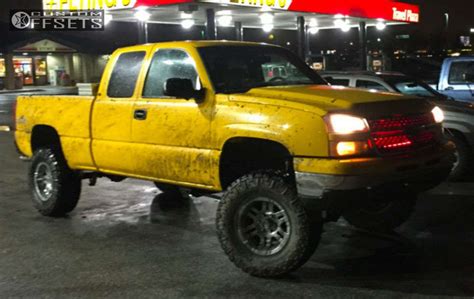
{"x": 125, "y": 75}
{"x": 459, "y": 70}
{"x": 338, "y": 82}
{"x": 167, "y": 64}
{"x": 365, "y": 84}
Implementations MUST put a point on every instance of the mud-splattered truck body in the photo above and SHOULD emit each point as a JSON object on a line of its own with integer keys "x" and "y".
{"x": 210, "y": 117}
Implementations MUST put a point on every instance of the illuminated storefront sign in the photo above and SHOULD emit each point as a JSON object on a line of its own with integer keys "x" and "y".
{"x": 87, "y": 4}
{"x": 384, "y": 9}
{"x": 104, "y": 4}
{"x": 275, "y": 4}
{"x": 406, "y": 15}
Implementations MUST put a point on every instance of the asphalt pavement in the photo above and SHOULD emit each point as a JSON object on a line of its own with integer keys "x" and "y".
{"x": 127, "y": 240}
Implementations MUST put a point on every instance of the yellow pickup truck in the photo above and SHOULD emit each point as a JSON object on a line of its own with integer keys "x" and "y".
{"x": 289, "y": 153}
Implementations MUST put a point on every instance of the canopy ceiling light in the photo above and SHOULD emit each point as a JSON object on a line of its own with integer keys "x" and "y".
{"x": 380, "y": 25}
{"x": 187, "y": 24}
{"x": 266, "y": 18}
{"x": 108, "y": 18}
{"x": 267, "y": 27}
{"x": 313, "y": 26}
{"x": 142, "y": 14}
{"x": 225, "y": 20}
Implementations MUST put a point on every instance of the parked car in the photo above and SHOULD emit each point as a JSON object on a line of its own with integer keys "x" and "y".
{"x": 202, "y": 115}
{"x": 457, "y": 79}
{"x": 459, "y": 116}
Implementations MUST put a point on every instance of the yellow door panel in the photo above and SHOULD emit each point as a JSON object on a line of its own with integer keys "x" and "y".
{"x": 175, "y": 134}
{"x": 112, "y": 114}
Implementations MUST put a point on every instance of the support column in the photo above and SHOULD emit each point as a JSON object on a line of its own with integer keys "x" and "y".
{"x": 69, "y": 64}
{"x": 211, "y": 29}
{"x": 363, "y": 45}
{"x": 85, "y": 69}
{"x": 307, "y": 42}
{"x": 239, "y": 31}
{"x": 301, "y": 37}
{"x": 9, "y": 72}
{"x": 142, "y": 32}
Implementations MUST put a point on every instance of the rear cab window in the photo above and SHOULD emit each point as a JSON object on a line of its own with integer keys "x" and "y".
{"x": 459, "y": 70}
{"x": 125, "y": 74}
{"x": 366, "y": 84}
{"x": 338, "y": 81}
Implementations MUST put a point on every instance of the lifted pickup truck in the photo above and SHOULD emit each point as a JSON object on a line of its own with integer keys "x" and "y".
{"x": 289, "y": 153}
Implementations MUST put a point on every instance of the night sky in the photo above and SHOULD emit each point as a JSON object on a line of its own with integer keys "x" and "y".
{"x": 429, "y": 31}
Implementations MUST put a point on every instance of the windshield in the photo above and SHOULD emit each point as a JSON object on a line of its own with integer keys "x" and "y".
{"x": 240, "y": 68}
{"x": 409, "y": 86}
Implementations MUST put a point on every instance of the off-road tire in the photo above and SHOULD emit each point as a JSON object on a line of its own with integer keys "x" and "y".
{"x": 464, "y": 159}
{"x": 395, "y": 211}
{"x": 66, "y": 184}
{"x": 303, "y": 238}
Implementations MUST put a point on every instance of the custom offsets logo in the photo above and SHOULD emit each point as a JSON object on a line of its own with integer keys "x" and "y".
{"x": 57, "y": 20}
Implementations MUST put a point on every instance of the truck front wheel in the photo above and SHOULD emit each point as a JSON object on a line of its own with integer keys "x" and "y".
{"x": 382, "y": 213}
{"x": 56, "y": 188}
{"x": 264, "y": 228}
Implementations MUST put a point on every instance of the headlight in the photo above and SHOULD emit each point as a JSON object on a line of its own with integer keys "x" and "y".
{"x": 346, "y": 124}
{"x": 438, "y": 114}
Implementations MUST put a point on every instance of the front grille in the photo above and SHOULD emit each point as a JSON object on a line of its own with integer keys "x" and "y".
{"x": 401, "y": 122}
{"x": 403, "y": 133}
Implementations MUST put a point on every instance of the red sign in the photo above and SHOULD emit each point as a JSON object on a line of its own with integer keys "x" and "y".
{"x": 367, "y": 9}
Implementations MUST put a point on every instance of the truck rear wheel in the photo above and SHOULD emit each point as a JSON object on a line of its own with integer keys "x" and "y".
{"x": 56, "y": 188}
{"x": 264, "y": 228}
{"x": 383, "y": 213}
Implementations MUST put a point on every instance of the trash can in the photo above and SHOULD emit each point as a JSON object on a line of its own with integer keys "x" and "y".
{"x": 19, "y": 81}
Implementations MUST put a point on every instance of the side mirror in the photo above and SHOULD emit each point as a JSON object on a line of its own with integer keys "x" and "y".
{"x": 469, "y": 77}
{"x": 183, "y": 89}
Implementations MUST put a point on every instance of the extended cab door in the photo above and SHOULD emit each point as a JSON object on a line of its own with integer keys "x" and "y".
{"x": 112, "y": 113}
{"x": 454, "y": 80}
{"x": 172, "y": 135}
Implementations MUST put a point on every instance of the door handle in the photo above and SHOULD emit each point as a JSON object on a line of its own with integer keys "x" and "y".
{"x": 140, "y": 114}
{"x": 449, "y": 88}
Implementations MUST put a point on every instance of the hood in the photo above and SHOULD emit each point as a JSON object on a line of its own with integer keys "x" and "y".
{"x": 455, "y": 106}
{"x": 327, "y": 98}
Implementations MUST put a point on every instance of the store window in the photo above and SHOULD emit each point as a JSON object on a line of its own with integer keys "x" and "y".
{"x": 2, "y": 68}
{"x": 40, "y": 66}
{"x": 24, "y": 68}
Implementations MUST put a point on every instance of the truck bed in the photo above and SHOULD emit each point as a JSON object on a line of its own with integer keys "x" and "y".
{"x": 69, "y": 116}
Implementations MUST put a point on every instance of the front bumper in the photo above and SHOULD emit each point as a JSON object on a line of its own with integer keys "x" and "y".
{"x": 415, "y": 172}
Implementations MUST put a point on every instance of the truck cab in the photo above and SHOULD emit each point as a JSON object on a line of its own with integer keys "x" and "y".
{"x": 457, "y": 78}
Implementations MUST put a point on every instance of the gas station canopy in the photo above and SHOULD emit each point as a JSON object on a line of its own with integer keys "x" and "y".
{"x": 281, "y": 13}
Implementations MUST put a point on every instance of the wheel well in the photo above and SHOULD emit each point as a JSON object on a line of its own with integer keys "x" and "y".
{"x": 460, "y": 135}
{"x": 44, "y": 136}
{"x": 241, "y": 156}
